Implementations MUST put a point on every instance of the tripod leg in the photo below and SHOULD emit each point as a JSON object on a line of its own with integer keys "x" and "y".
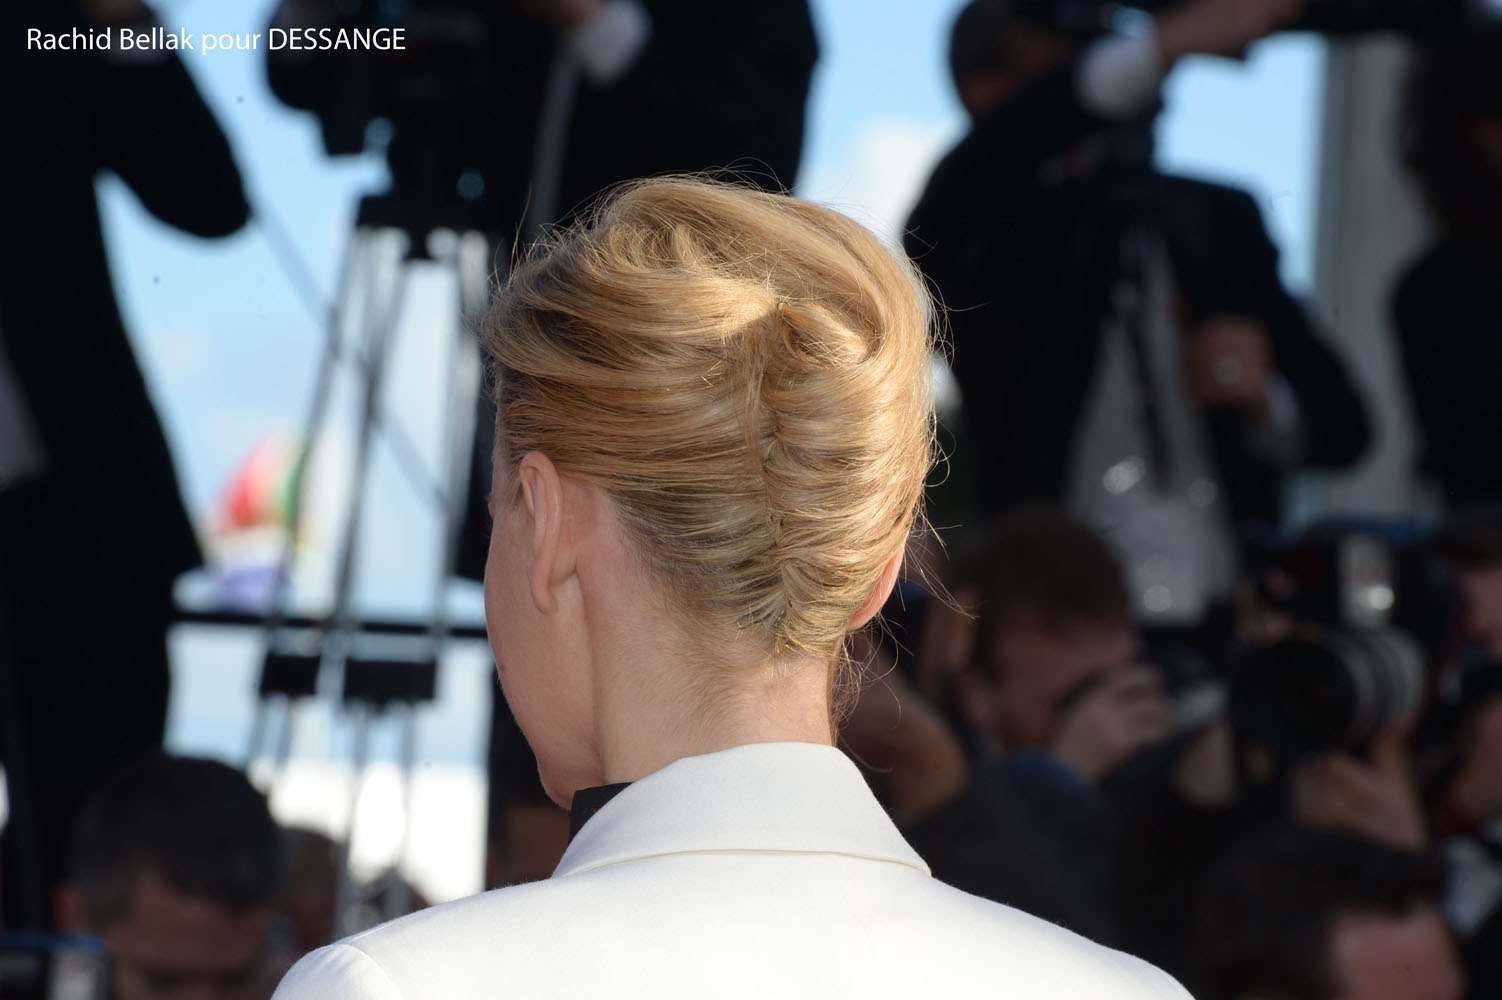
{"x": 257, "y": 734}
{"x": 352, "y": 267}
{"x": 463, "y": 382}
{"x": 382, "y": 318}
{"x": 348, "y": 914}
{"x": 355, "y": 254}
{"x": 397, "y": 899}
{"x": 380, "y": 321}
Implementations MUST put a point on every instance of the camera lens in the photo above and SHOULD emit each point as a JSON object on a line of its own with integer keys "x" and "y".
{"x": 1299, "y": 698}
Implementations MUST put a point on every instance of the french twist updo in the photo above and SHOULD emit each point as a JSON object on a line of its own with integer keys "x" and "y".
{"x": 746, "y": 376}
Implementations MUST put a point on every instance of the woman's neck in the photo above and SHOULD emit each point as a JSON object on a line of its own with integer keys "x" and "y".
{"x": 659, "y": 698}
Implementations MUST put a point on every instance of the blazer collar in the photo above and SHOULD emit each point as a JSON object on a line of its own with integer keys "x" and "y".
{"x": 778, "y": 797}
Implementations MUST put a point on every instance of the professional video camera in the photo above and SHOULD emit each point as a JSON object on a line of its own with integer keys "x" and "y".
{"x": 1334, "y": 17}
{"x": 428, "y": 94}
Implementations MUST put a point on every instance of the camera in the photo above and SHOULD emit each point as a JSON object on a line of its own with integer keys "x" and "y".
{"x": 1371, "y": 630}
{"x": 1365, "y": 613}
{"x": 425, "y": 97}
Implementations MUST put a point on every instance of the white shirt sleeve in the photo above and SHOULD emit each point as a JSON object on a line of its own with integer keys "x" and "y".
{"x": 1120, "y": 75}
{"x": 607, "y": 44}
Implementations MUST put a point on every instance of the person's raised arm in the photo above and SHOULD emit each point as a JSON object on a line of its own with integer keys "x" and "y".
{"x": 1115, "y": 77}
{"x": 725, "y": 81}
{"x": 152, "y": 128}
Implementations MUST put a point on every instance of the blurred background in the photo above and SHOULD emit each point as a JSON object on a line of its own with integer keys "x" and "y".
{"x": 230, "y": 349}
{"x": 230, "y": 335}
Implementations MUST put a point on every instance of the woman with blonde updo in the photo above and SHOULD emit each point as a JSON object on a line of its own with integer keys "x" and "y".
{"x": 715, "y": 422}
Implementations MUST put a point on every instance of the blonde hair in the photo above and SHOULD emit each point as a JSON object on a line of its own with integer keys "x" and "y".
{"x": 746, "y": 376}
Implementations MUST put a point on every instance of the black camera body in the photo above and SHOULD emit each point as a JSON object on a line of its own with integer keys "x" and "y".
{"x": 1376, "y": 635}
{"x": 428, "y": 96}
{"x": 1368, "y": 611}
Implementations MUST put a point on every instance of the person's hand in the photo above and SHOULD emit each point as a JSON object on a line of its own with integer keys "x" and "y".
{"x": 1205, "y": 773}
{"x": 1220, "y": 27}
{"x": 1228, "y": 361}
{"x": 1375, "y": 799}
{"x": 1122, "y": 715}
{"x": 1477, "y": 789}
{"x": 896, "y": 733}
{"x": 108, "y": 13}
{"x": 564, "y": 15}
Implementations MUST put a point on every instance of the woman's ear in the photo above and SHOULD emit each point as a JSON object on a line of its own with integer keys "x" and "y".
{"x": 879, "y": 595}
{"x": 551, "y": 556}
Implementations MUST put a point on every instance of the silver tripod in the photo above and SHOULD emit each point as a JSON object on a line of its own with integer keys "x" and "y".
{"x": 374, "y": 673}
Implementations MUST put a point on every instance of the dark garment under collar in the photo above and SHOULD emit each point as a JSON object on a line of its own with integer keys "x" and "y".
{"x": 587, "y": 802}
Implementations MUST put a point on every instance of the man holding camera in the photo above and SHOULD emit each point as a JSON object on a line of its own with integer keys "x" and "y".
{"x": 1122, "y": 341}
{"x": 1051, "y": 698}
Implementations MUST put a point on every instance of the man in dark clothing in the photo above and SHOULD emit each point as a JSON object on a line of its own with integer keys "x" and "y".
{"x": 1122, "y": 341}
{"x": 93, "y": 538}
{"x": 1448, "y": 305}
{"x": 1053, "y": 698}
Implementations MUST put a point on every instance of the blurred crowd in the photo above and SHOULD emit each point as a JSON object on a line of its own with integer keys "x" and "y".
{"x": 1116, "y": 691}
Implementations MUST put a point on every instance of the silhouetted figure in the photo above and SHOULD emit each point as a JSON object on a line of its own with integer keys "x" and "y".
{"x": 91, "y": 543}
{"x": 1122, "y": 340}
{"x": 1448, "y": 306}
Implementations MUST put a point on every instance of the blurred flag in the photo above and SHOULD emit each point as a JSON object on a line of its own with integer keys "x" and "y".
{"x": 246, "y": 529}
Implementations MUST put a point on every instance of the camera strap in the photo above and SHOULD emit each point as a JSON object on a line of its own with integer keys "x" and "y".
{"x": 1128, "y": 301}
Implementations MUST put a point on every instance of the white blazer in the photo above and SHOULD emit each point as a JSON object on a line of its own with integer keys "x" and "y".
{"x": 767, "y": 870}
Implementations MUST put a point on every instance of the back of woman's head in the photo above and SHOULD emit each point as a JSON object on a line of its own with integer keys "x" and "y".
{"x": 746, "y": 376}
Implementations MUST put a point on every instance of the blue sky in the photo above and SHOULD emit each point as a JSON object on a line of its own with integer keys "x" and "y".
{"x": 230, "y": 349}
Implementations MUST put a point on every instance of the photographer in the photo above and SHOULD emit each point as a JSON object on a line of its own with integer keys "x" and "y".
{"x": 1122, "y": 341}
{"x": 176, "y": 866}
{"x": 1467, "y": 789}
{"x": 1042, "y": 654}
{"x": 1448, "y": 306}
{"x": 1052, "y": 666}
{"x": 92, "y": 540}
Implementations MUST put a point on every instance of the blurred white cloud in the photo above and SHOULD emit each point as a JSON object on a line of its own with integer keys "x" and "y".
{"x": 877, "y": 178}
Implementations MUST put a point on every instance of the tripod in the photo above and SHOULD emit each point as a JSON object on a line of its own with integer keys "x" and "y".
{"x": 372, "y": 673}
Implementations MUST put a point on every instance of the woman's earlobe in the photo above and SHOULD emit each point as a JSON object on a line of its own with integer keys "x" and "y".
{"x": 879, "y": 596}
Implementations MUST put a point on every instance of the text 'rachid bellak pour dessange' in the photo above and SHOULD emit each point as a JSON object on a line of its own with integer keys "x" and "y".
{"x": 181, "y": 40}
